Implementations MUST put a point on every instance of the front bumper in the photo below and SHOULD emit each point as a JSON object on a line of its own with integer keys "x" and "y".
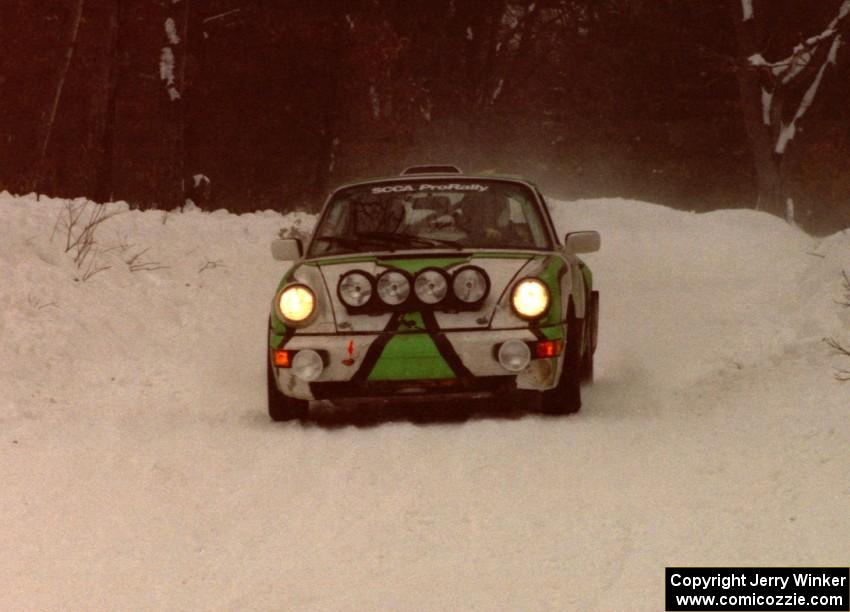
{"x": 419, "y": 391}
{"x": 438, "y": 366}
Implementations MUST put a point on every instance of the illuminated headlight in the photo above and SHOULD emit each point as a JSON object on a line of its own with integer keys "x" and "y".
{"x": 514, "y": 355}
{"x": 393, "y": 287}
{"x": 355, "y": 288}
{"x": 431, "y": 286}
{"x": 470, "y": 284}
{"x": 530, "y": 298}
{"x": 307, "y": 365}
{"x": 296, "y": 303}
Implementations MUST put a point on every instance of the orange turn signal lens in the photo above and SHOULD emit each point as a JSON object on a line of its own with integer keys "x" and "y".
{"x": 548, "y": 348}
{"x": 283, "y": 359}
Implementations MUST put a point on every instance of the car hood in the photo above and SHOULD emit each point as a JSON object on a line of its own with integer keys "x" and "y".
{"x": 502, "y": 268}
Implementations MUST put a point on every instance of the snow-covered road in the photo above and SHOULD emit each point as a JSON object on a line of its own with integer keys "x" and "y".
{"x": 139, "y": 469}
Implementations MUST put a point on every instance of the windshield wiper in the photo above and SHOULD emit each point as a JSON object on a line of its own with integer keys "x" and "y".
{"x": 440, "y": 241}
{"x": 356, "y": 241}
{"x": 345, "y": 241}
{"x": 409, "y": 239}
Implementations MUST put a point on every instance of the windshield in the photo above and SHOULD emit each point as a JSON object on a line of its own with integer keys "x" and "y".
{"x": 441, "y": 214}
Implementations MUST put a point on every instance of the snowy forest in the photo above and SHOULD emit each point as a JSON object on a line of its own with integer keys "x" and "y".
{"x": 254, "y": 104}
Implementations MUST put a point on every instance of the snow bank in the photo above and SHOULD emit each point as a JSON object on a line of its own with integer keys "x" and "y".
{"x": 202, "y": 281}
{"x": 687, "y": 294}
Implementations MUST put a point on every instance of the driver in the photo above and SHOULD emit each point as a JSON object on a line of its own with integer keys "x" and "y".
{"x": 484, "y": 216}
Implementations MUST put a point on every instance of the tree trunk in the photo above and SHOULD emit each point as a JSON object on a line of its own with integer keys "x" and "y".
{"x": 481, "y": 61}
{"x": 104, "y": 184}
{"x": 181, "y": 135}
{"x": 766, "y": 163}
{"x": 173, "y": 101}
{"x": 518, "y": 69}
{"x": 73, "y": 31}
{"x": 329, "y": 139}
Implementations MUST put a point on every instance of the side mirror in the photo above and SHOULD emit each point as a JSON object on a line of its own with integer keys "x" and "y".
{"x": 286, "y": 249}
{"x": 582, "y": 242}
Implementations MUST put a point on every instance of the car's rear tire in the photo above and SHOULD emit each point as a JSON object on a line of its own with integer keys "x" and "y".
{"x": 566, "y": 397}
{"x": 282, "y": 408}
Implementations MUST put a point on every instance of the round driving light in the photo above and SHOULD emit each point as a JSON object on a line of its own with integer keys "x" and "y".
{"x": 393, "y": 287}
{"x": 514, "y": 355}
{"x": 355, "y": 288}
{"x": 431, "y": 286}
{"x": 296, "y": 303}
{"x": 470, "y": 284}
{"x": 530, "y": 298}
{"x": 307, "y": 365}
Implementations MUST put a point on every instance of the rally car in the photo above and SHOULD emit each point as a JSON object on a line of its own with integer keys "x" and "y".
{"x": 432, "y": 286}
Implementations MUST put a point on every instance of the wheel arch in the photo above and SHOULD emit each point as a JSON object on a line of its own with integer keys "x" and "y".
{"x": 577, "y": 291}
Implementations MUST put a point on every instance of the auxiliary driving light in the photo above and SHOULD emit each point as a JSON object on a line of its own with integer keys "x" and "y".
{"x": 355, "y": 288}
{"x": 431, "y": 286}
{"x": 393, "y": 287}
{"x": 307, "y": 365}
{"x": 514, "y": 355}
{"x": 470, "y": 284}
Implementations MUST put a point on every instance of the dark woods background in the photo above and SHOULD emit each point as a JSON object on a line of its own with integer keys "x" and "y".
{"x": 276, "y": 101}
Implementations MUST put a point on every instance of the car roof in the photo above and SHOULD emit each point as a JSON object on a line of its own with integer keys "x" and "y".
{"x": 431, "y": 169}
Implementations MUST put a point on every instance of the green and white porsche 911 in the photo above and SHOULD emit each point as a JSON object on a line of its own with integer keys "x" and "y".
{"x": 432, "y": 286}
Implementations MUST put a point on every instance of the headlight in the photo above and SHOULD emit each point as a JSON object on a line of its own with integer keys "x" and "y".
{"x": 530, "y": 298}
{"x": 393, "y": 287}
{"x": 296, "y": 303}
{"x": 431, "y": 286}
{"x": 470, "y": 284}
{"x": 355, "y": 288}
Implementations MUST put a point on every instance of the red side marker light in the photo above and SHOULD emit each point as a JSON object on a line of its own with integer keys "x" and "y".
{"x": 548, "y": 348}
{"x": 283, "y": 359}
{"x": 349, "y": 361}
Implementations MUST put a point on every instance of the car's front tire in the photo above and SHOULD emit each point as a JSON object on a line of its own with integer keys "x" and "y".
{"x": 566, "y": 397}
{"x": 282, "y": 408}
{"x": 591, "y": 330}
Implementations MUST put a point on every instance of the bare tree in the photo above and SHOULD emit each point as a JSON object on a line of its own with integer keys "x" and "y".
{"x": 835, "y": 345}
{"x": 73, "y": 31}
{"x": 329, "y": 139}
{"x": 839, "y": 349}
{"x": 776, "y": 94}
{"x": 109, "y": 88}
{"x": 172, "y": 73}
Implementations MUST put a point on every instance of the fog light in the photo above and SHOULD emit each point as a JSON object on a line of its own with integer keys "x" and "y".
{"x": 307, "y": 365}
{"x": 514, "y": 355}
